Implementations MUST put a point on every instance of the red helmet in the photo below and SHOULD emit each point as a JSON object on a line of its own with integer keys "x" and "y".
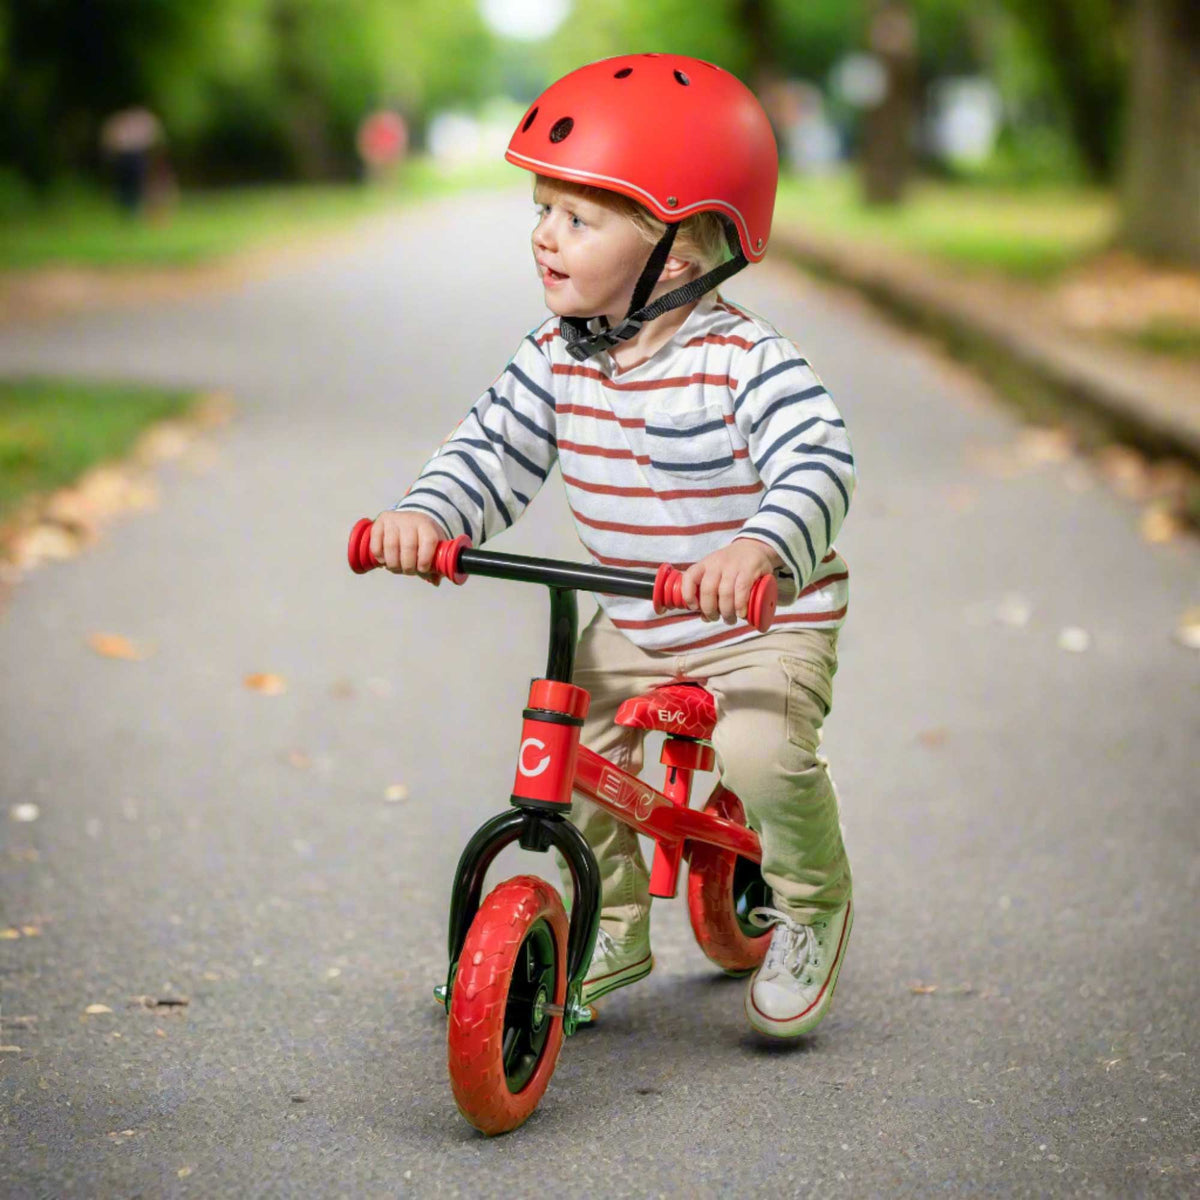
{"x": 678, "y": 135}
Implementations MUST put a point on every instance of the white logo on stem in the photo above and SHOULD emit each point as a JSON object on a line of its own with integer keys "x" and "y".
{"x": 542, "y": 763}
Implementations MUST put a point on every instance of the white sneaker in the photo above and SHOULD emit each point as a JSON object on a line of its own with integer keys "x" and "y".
{"x": 614, "y": 965}
{"x": 792, "y": 990}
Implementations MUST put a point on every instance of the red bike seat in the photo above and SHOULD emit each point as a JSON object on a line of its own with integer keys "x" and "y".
{"x": 685, "y": 709}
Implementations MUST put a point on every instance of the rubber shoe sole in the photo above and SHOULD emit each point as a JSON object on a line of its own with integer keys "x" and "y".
{"x": 601, "y": 985}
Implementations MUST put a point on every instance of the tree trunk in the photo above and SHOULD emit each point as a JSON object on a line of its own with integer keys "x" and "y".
{"x": 888, "y": 125}
{"x": 1160, "y": 194}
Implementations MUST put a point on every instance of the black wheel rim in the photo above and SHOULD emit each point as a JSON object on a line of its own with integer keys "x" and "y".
{"x": 750, "y": 890}
{"x": 526, "y": 1023}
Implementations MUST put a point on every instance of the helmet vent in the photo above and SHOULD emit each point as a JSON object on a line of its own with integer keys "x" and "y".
{"x": 529, "y": 120}
{"x": 623, "y": 73}
{"x": 561, "y": 129}
{"x": 680, "y": 77}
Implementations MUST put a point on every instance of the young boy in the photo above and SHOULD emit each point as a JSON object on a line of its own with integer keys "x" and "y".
{"x": 687, "y": 431}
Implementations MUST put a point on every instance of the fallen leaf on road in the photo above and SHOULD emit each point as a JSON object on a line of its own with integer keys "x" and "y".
{"x": 1014, "y": 610}
{"x": 163, "y": 442}
{"x": 24, "y": 812}
{"x": 333, "y": 972}
{"x": 1074, "y": 640}
{"x": 123, "y": 1134}
{"x": 184, "y": 1172}
{"x": 1042, "y": 445}
{"x": 44, "y": 542}
{"x": 1188, "y": 633}
{"x": 923, "y": 989}
{"x": 10, "y": 934}
{"x": 1160, "y": 523}
{"x": 1126, "y": 470}
{"x": 31, "y": 931}
{"x": 269, "y": 685}
{"x": 214, "y": 409}
{"x": 10, "y": 1049}
{"x": 396, "y": 792}
{"x": 113, "y": 645}
{"x": 95, "y": 1009}
{"x": 164, "y": 1004}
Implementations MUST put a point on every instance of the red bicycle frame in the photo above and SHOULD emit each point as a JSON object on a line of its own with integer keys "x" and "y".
{"x": 552, "y": 765}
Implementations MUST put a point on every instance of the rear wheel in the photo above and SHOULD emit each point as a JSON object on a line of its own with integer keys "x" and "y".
{"x": 502, "y": 1045}
{"x": 722, "y": 889}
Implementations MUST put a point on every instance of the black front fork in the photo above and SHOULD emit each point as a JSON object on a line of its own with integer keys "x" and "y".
{"x": 535, "y": 829}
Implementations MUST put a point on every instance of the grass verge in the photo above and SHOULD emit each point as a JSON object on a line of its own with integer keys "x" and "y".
{"x": 1027, "y": 233}
{"x": 81, "y": 227}
{"x": 52, "y": 431}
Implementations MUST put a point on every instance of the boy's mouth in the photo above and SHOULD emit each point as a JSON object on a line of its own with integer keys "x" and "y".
{"x": 549, "y": 275}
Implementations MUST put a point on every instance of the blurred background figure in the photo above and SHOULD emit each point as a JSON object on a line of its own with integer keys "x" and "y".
{"x": 382, "y": 143}
{"x": 128, "y": 139}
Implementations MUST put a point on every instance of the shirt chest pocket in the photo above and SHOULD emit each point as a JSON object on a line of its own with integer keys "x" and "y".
{"x": 690, "y": 443}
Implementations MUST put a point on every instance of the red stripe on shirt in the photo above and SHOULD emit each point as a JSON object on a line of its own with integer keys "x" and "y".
{"x": 786, "y": 619}
{"x": 657, "y": 530}
{"x": 719, "y": 339}
{"x": 608, "y": 452}
{"x": 547, "y": 337}
{"x": 645, "y": 385}
{"x": 603, "y": 414}
{"x": 610, "y": 489}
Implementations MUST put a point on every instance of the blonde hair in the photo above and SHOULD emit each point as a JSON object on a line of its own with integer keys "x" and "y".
{"x": 701, "y": 238}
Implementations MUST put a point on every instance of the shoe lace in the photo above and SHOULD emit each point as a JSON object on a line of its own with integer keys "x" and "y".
{"x": 791, "y": 951}
{"x": 605, "y": 946}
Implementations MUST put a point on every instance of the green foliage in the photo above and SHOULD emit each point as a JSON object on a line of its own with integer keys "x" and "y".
{"x": 53, "y": 431}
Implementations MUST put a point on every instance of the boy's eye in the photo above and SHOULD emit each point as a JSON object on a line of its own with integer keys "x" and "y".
{"x": 576, "y": 222}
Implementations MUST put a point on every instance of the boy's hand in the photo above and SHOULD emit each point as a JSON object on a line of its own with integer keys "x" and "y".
{"x": 404, "y": 542}
{"x": 719, "y": 585}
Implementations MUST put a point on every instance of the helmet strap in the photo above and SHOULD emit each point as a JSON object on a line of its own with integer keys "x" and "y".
{"x": 583, "y": 343}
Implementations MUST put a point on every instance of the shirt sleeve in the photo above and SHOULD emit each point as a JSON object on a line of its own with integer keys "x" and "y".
{"x": 482, "y": 477}
{"x": 799, "y": 446}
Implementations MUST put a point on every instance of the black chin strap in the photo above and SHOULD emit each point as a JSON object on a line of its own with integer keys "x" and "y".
{"x": 583, "y": 342}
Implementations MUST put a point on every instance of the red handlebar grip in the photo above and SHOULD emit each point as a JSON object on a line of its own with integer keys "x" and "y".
{"x": 359, "y": 550}
{"x": 445, "y": 557}
{"x": 764, "y": 595}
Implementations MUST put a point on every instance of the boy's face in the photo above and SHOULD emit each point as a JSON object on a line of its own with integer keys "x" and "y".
{"x": 589, "y": 256}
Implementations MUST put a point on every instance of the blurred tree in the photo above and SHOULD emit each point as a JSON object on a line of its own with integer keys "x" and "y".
{"x": 1082, "y": 44}
{"x": 1160, "y": 190}
{"x": 887, "y": 153}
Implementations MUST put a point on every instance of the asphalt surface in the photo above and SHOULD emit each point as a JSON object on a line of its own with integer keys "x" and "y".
{"x": 1018, "y": 1011}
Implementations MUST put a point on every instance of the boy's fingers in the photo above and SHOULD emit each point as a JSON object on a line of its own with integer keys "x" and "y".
{"x": 391, "y": 547}
{"x": 726, "y": 600}
{"x": 425, "y": 549}
{"x": 708, "y": 595}
{"x": 408, "y": 550}
{"x": 377, "y": 532}
{"x": 741, "y": 596}
{"x": 691, "y": 585}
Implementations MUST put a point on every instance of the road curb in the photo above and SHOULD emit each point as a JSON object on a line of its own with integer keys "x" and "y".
{"x": 1155, "y": 407}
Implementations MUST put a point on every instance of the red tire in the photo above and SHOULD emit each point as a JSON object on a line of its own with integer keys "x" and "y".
{"x": 502, "y": 1049}
{"x": 722, "y": 888}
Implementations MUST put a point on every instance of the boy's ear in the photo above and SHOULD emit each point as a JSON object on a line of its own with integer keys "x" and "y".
{"x": 674, "y": 267}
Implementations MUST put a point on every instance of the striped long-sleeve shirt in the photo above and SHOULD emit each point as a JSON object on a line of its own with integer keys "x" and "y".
{"x": 725, "y": 431}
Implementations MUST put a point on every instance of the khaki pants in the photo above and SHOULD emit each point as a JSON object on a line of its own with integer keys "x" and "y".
{"x": 773, "y": 693}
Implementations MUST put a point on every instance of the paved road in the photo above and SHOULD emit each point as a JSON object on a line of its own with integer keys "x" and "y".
{"x": 1021, "y": 820}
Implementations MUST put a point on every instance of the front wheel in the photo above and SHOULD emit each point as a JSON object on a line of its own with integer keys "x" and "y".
{"x": 722, "y": 889}
{"x": 502, "y": 1044}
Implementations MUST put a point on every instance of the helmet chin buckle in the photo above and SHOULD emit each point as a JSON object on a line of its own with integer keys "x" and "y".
{"x": 585, "y": 345}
